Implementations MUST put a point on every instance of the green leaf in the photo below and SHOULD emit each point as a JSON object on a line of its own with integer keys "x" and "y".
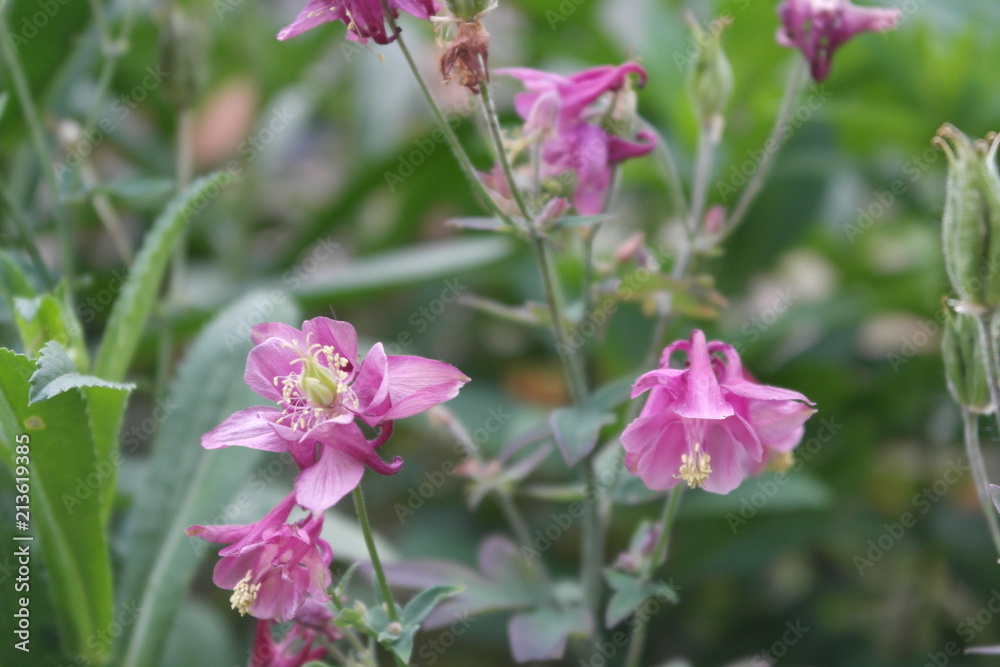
{"x": 143, "y": 193}
{"x": 105, "y": 409}
{"x": 576, "y": 430}
{"x": 423, "y": 603}
{"x": 422, "y": 263}
{"x": 71, "y": 536}
{"x": 542, "y": 634}
{"x": 479, "y": 224}
{"x": 48, "y": 317}
{"x": 57, "y": 374}
{"x": 613, "y": 394}
{"x": 572, "y": 221}
{"x": 630, "y": 592}
{"x": 128, "y": 318}
{"x": 189, "y": 485}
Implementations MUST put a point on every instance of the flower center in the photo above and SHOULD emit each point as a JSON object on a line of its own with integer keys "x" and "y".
{"x": 321, "y": 391}
{"x": 244, "y": 594}
{"x": 695, "y": 468}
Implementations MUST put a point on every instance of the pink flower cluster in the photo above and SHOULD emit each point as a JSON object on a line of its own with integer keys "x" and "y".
{"x": 365, "y": 19}
{"x": 560, "y": 113}
{"x": 276, "y": 570}
{"x": 709, "y": 424}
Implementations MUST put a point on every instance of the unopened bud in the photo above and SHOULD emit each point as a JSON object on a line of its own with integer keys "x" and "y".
{"x": 470, "y": 10}
{"x": 965, "y": 363}
{"x": 711, "y": 77}
{"x": 971, "y": 225}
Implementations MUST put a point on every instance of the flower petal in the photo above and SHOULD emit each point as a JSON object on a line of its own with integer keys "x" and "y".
{"x": 340, "y": 335}
{"x": 416, "y": 384}
{"x": 703, "y": 397}
{"x": 316, "y": 13}
{"x": 322, "y": 485}
{"x": 268, "y": 363}
{"x": 251, "y": 428}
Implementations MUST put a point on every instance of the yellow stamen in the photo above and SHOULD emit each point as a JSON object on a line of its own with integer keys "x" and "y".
{"x": 695, "y": 468}
{"x": 244, "y": 594}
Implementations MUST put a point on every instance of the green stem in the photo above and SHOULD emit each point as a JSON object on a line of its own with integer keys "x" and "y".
{"x": 988, "y": 344}
{"x": 464, "y": 162}
{"x": 63, "y": 224}
{"x": 366, "y": 529}
{"x": 796, "y": 83}
{"x": 493, "y": 121}
{"x": 112, "y": 51}
{"x": 659, "y": 556}
{"x": 970, "y": 422}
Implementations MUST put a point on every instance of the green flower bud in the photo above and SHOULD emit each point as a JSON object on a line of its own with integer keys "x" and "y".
{"x": 470, "y": 10}
{"x": 971, "y": 225}
{"x": 711, "y": 77}
{"x": 964, "y": 363}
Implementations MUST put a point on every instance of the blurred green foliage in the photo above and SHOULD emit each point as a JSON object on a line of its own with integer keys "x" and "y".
{"x": 834, "y": 285}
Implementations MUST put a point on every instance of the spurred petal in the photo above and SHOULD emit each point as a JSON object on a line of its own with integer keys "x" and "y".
{"x": 251, "y": 428}
{"x": 316, "y": 13}
{"x": 322, "y": 485}
{"x": 703, "y": 398}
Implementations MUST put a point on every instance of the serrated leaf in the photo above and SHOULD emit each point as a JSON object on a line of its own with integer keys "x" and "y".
{"x": 138, "y": 295}
{"x": 106, "y": 402}
{"x": 189, "y": 485}
{"x": 576, "y": 430}
{"x": 423, "y": 603}
{"x": 47, "y": 317}
{"x": 72, "y": 540}
{"x": 542, "y": 634}
{"x": 57, "y": 373}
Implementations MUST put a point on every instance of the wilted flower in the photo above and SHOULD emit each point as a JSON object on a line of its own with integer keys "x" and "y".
{"x": 273, "y": 568}
{"x": 560, "y": 112}
{"x": 321, "y": 390}
{"x": 466, "y": 56}
{"x": 709, "y": 424}
{"x": 364, "y": 18}
{"x": 819, "y": 27}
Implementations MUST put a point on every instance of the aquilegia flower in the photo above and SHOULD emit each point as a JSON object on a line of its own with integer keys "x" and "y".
{"x": 364, "y": 18}
{"x": 709, "y": 424}
{"x": 321, "y": 390}
{"x": 560, "y": 112}
{"x": 273, "y": 568}
{"x": 301, "y": 644}
{"x": 819, "y": 27}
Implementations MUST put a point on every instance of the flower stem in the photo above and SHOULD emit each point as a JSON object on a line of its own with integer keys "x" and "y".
{"x": 970, "y": 422}
{"x": 493, "y": 121}
{"x": 464, "y": 162}
{"x": 34, "y": 121}
{"x": 988, "y": 343}
{"x": 659, "y": 556}
{"x": 796, "y": 83}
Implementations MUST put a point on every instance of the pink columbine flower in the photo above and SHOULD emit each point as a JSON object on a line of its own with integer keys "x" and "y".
{"x": 273, "y": 568}
{"x": 819, "y": 27}
{"x": 364, "y": 18}
{"x": 321, "y": 390}
{"x": 708, "y": 424}
{"x": 302, "y": 643}
{"x": 560, "y": 112}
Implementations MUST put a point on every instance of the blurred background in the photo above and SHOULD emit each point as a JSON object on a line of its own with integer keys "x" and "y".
{"x": 834, "y": 286}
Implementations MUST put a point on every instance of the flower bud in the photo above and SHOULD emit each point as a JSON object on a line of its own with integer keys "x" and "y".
{"x": 971, "y": 225}
{"x": 964, "y": 363}
{"x": 470, "y": 10}
{"x": 711, "y": 76}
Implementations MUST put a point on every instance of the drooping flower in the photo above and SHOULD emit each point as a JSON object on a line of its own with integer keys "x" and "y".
{"x": 708, "y": 424}
{"x": 560, "y": 113}
{"x": 321, "y": 390}
{"x": 364, "y": 18}
{"x": 301, "y": 644}
{"x": 273, "y": 568}
{"x": 820, "y": 27}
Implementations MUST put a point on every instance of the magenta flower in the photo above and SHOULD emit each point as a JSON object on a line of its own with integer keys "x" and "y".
{"x": 364, "y": 18}
{"x": 273, "y": 568}
{"x": 560, "y": 111}
{"x": 708, "y": 424}
{"x": 819, "y": 27}
{"x": 300, "y": 644}
{"x": 321, "y": 390}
